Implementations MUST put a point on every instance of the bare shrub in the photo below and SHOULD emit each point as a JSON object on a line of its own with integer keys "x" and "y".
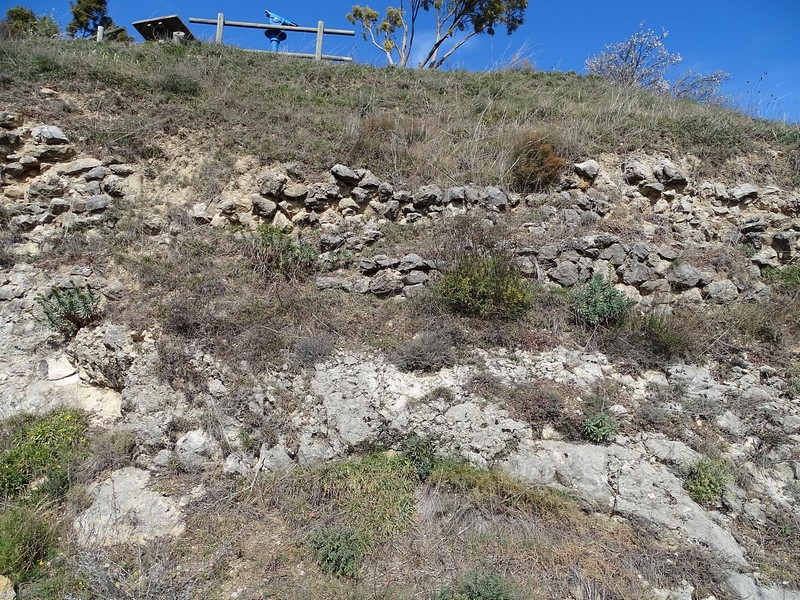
{"x": 427, "y": 351}
{"x": 310, "y": 350}
{"x": 536, "y": 163}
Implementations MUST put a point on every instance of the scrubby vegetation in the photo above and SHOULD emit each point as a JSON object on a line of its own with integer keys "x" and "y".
{"x": 393, "y": 120}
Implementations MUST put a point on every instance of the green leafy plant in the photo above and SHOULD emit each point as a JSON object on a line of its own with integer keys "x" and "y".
{"x": 25, "y": 539}
{"x": 339, "y": 551}
{"x": 787, "y": 279}
{"x": 420, "y": 451}
{"x": 479, "y": 586}
{"x": 43, "y": 449}
{"x": 273, "y": 253}
{"x": 598, "y": 302}
{"x": 707, "y": 480}
{"x": 599, "y": 427}
{"x": 66, "y": 310}
{"x": 485, "y": 286}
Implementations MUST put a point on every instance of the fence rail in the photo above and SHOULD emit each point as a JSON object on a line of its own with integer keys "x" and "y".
{"x": 320, "y": 30}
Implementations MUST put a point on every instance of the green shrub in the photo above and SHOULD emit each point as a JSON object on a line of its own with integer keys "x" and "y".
{"x": 69, "y": 309}
{"x": 599, "y": 427}
{"x": 707, "y": 480}
{"x": 598, "y": 302}
{"x": 25, "y": 539}
{"x": 339, "y": 551}
{"x": 787, "y": 279}
{"x": 485, "y": 286}
{"x": 273, "y": 253}
{"x": 420, "y": 451}
{"x": 43, "y": 449}
{"x": 479, "y": 586}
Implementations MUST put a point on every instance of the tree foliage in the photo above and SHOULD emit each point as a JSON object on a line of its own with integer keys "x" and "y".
{"x": 21, "y": 22}
{"x": 88, "y": 15}
{"x": 456, "y": 21}
{"x": 644, "y": 61}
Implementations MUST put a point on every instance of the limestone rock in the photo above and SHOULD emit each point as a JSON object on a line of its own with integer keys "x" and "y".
{"x": 126, "y": 511}
{"x": 78, "y": 166}
{"x": 345, "y": 174}
{"x": 744, "y": 192}
{"x": 587, "y": 169}
{"x": 723, "y": 291}
{"x": 668, "y": 173}
{"x": 620, "y": 479}
{"x": 7, "y": 591}
{"x": 49, "y": 134}
{"x": 386, "y": 282}
{"x": 428, "y": 195}
{"x": 683, "y": 275}
{"x": 275, "y": 459}
{"x": 566, "y": 273}
{"x": 194, "y": 449}
{"x": 633, "y": 172}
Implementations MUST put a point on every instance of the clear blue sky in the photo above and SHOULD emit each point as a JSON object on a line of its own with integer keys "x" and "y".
{"x": 756, "y": 41}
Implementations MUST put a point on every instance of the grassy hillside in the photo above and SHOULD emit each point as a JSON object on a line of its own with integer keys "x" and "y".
{"x": 450, "y": 127}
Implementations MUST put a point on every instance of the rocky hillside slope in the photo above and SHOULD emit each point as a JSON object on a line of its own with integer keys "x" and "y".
{"x": 298, "y": 380}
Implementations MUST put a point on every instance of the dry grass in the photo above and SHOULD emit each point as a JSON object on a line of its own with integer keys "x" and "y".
{"x": 464, "y": 521}
{"x": 416, "y": 126}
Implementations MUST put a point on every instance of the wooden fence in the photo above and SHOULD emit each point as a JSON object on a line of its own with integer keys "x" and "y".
{"x": 320, "y": 30}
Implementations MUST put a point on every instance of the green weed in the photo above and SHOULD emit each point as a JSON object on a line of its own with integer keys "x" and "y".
{"x": 489, "y": 287}
{"x": 25, "y": 539}
{"x": 66, "y": 310}
{"x": 339, "y": 550}
{"x": 44, "y": 449}
{"x": 707, "y": 480}
{"x": 598, "y": 302}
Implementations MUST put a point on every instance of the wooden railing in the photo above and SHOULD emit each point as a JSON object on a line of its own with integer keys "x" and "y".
{"x": 320, "y": 30}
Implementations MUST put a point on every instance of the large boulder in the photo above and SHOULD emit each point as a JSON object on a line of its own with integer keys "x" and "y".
{"x": 126, "y": 511}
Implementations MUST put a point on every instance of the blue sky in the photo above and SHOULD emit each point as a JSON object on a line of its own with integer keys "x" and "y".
{"x": 755, "y": 41}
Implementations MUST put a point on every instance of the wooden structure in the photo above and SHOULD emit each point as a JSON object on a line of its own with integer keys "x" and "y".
{"x": 164, "y": 29}
{"x": 320, "y": 30}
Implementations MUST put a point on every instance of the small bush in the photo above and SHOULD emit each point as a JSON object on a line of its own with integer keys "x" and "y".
{"x": 44, "y": 448}
{"x": 308, "y": 351}
{"x": 25, "y": 539}
{"x": 598, "y": 302}
{"x": 420, "y": 452}
{"x": 427, "y": 351}
{"x": 707, "y": 480}
{"x": 273, "y": 253}
{"x": 339, "y": 551}
{"x": 485, "y": 286}
{"x": 479, "y": 586}
{"x": 787, "y": 279}
{"x": 536, "y": 165}
{"x": 68, "y": 310}
{"x": 540, "y": 403}
{"x": 599, "y": 427}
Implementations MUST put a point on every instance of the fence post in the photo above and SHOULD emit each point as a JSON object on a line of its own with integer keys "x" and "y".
{"x": 101, "y": 32}
{"x": 320, "y": 32}
{"x": 178, "y": 38}
{"x": 220, "y": 25}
